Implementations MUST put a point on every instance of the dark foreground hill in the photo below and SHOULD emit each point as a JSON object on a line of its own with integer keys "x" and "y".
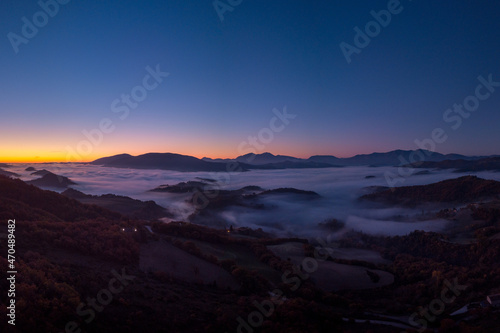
{"x": 27, "y": 202}
{"x": 8, "y": 173}
{"x": 460, "y": 190}
{"x": 145, "y": 210}
{"x": 82, "y": 269}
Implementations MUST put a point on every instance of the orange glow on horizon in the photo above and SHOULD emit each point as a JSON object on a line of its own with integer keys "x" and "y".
{"x": 60, "y": 157}
{"x": 39, "y": 156}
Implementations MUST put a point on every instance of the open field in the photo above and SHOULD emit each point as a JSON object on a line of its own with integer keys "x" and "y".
{"x": 358, "y": 254}
{"x": 242, "y": 255}
{"x": 331, "y": 276}
{"x": 165, "y": 257}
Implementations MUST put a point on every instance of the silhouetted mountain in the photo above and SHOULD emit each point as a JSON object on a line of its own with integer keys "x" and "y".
{"x": 460, "y": 190}
{"x": 8, "y": 173}
{"x": 373, "y": 189}
{"x": 145, "y": 210}
{"x": 391, "y": 158}
{"x": 112, "y": 159}
{"x": 30, "y": 203}
{"x": 51, "y": 180}
{"x": 208, "y": 180}
{"x": 218, "y": 160}
{"x": 248, "y": 196}
{"x": 290, "y": 165}
{"x": 30, "y": 169}
{"x": 265, "y": 158}
{"x": 252, "y": 188}
{"x": 325, "y": 159}
{"x": 164, "y": 161}
{"x": 182, "y": 187}
{"x": 290, "y": 190}
{"x": 176, "y": 162}
{"x": 461, "y": 165}
{"x": 42, "y": 172}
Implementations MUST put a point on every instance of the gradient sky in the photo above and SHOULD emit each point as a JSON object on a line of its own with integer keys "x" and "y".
{"x": 227, "y": 76}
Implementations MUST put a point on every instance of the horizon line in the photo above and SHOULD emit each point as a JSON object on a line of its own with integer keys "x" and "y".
{"x": 233, "y": 158}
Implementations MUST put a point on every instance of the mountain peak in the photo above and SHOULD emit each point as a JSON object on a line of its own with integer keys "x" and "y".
{"x": 178, "y": 162}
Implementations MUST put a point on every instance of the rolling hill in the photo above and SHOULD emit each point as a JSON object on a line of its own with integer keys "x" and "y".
{"x": 459, "y": 190}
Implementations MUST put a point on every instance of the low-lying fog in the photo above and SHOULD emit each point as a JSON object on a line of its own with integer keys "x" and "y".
{"x": 291, "y": 215}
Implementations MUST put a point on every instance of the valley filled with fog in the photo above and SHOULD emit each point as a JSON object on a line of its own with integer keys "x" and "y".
{"x": 284, "y": 214}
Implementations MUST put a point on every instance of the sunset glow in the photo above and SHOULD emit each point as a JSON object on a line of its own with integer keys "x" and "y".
{"x": 207, "y": 96}
{"x": 250, "y": 166}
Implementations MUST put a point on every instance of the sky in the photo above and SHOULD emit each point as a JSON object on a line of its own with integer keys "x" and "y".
{"x": 87, "y": 79}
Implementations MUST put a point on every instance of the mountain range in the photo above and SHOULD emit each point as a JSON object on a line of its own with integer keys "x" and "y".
{"x": 177, "y": 162}
{"x": 164, "y": 161}
{"x": 462, "y": 165}
{"x": 394, "y": 157}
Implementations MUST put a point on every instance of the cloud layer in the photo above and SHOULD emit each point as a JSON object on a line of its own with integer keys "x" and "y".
{"x": 289, "y": 215}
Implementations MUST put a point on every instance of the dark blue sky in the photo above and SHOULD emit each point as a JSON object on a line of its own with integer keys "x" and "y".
{"x": 226, "y": 77}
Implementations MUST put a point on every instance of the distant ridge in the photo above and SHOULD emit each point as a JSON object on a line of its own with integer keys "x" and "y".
{"x": 164, "y": 161}
{"x": 291, "y": 165}
{"x": 396, "y": 158}
{"x": 391, "y": 158}
{"x": 268, "y": 161}
{"x": 256, "y": 159}
{"x": 461, "y": 165}
{"x": 265, "y": 158}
